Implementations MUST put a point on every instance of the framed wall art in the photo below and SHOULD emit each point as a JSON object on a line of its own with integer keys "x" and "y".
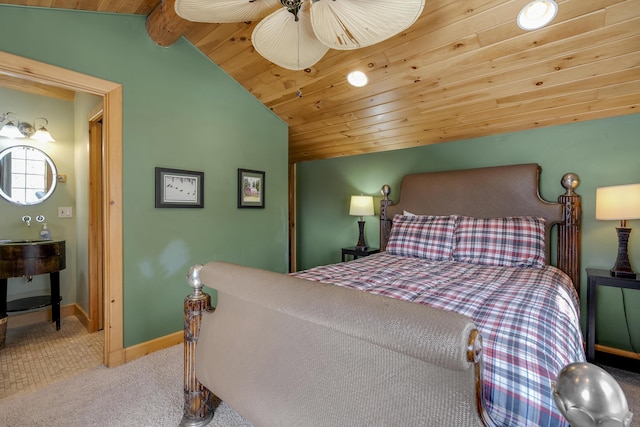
{"x": 250, "y": 188}
{"x": 176, "y": 188}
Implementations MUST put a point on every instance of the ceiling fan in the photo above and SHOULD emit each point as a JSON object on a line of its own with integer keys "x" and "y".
{"x": 295, "y": 34}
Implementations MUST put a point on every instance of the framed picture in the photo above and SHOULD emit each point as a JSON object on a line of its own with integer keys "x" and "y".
{"x": 177, "y": 188}
{"x": 250, "y": 189}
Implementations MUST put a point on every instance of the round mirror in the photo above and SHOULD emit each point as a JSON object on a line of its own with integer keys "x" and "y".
{"x": 27, "y": 175}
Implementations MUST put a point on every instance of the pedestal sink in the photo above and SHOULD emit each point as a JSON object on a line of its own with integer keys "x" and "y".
{"x": 25, "y": 258}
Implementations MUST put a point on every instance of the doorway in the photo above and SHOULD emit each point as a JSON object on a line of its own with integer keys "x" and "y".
{"x": 109, "y": 201}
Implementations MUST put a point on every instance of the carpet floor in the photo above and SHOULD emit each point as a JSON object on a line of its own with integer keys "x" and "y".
{"x": 144, "y": 392}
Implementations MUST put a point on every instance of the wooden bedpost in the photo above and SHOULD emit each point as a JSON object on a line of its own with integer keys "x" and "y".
{"x": 569, "y": 236}
{"x": 385, "y": 222}
{"x": 199, "y": 402}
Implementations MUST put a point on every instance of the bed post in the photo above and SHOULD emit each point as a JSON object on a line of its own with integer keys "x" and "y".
{"x": 199, "y": 402}
{"x": 569, "y": 235}
{"x": 385, "y": 222}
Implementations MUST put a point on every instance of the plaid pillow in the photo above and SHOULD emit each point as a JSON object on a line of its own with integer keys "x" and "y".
{"x": 508, "y": 242}
{"x": 422, "y": 236}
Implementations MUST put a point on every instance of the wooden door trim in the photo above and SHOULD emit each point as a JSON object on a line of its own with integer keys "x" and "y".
{"x": 35, "y": 71}
{"x": 96, "y": 238}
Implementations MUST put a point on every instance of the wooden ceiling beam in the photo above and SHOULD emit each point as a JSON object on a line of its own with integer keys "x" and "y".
{"x": 164, "y": 26}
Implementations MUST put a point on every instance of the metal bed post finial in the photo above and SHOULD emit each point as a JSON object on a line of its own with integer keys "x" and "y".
{"x": 385, "y": 191}
{"x": 199, "y": 402}
{"x": 569, "y": 234}
{"x": 385, "y": 222}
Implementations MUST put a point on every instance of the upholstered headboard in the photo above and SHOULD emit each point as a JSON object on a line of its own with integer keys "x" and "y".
{"x": 490, "y": 192}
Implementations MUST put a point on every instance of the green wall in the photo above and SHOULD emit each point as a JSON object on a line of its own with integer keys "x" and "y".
{"x": 179, "y": 111}
{"x": 602, "y": 152}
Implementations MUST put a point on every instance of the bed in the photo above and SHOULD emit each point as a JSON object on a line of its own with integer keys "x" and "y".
{"x": 460, "y": 320}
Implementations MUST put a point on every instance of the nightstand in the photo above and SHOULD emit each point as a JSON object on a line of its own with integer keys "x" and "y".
{"x": 597, "y": 278}
{"x": 357, "y": 253}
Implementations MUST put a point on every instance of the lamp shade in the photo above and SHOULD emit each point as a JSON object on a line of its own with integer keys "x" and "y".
{"x": 43, "y": 135}
{"x": 10, "y": 130}
{"x": 618, "y": 202}
{"x": 361, "y": 206}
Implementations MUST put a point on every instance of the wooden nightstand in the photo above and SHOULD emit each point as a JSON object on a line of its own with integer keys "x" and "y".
{"x": 597, "y": 278}
{"x": 358, "y": 253}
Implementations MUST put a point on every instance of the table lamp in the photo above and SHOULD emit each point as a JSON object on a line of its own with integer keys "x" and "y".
{"x": 361, "y": 206}
{"x": 620, "y": 202}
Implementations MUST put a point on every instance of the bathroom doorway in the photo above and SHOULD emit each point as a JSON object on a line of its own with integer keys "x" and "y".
{"x": 108, "y": 202}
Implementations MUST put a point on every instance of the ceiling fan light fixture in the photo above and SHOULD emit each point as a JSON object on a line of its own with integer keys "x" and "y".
{"x": 296, "y": 34}
{"x": 357, "y": 78}
{"x": 287, "y": 42}
{"x": 537, "y": 14}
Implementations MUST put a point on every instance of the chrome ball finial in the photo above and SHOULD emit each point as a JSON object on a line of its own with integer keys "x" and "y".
{"x": 570, "y": 181}
{"x": 385, "y": 191}
{"x": 193, "y": 279}
{"x": 588, "y": 396}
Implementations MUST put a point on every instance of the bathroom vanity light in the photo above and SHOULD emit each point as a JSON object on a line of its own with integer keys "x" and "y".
{"x": 15, "y": 129}
{"x": 10, "y": 129}
{"x": 42, "y": 134}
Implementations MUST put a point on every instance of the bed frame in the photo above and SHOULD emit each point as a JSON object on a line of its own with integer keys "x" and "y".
{"x": 439, "y": 345}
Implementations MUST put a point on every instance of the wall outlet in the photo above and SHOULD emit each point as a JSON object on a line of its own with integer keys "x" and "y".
{"x": 66, "y": 212}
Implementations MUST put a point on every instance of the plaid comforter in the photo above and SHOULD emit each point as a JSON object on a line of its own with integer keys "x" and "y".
{"x": 528, "y": 318}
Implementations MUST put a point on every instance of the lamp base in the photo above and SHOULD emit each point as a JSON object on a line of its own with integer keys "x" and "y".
{"x": 622, "y": 274}
{"x": 361, "y": 245}
{"x": 622, "y": 267}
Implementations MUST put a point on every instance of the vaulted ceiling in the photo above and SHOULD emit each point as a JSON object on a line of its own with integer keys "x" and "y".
{"x": 463, "y": 70}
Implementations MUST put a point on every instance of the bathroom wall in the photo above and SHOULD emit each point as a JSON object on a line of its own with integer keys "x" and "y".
{"x": 83, "y": 104}
{"x": 60, "y": 114}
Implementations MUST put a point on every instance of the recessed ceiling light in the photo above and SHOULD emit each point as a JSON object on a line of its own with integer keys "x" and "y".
{"x": 357, "y": 78}
{"x": 537, "y": 14}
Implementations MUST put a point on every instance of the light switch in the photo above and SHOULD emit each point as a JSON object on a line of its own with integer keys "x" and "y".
{"x": 66, "y": 212}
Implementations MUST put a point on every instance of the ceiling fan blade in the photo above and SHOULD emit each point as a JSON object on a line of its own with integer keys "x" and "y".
{"x": 287, "y": 43}
{"x": 353, "y": 24}
{"x": 224, "y": 11}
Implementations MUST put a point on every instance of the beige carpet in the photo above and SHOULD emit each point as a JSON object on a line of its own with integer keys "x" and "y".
{"x": 144, "y": 392}
{"x": 60, "y": 386}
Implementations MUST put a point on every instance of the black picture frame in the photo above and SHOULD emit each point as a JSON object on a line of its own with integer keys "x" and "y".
{"x": 177, "y": 188}
{"x": 251, "y": 189}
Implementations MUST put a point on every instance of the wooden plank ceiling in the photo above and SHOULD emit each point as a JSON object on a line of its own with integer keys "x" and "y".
{"x": 463, "y": 70}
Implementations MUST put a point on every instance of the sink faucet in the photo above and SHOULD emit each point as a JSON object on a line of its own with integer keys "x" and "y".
{"x": 27, "y": 219}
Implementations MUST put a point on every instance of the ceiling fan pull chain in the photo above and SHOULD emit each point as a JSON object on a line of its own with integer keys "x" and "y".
{"x": 299, "y": 91}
